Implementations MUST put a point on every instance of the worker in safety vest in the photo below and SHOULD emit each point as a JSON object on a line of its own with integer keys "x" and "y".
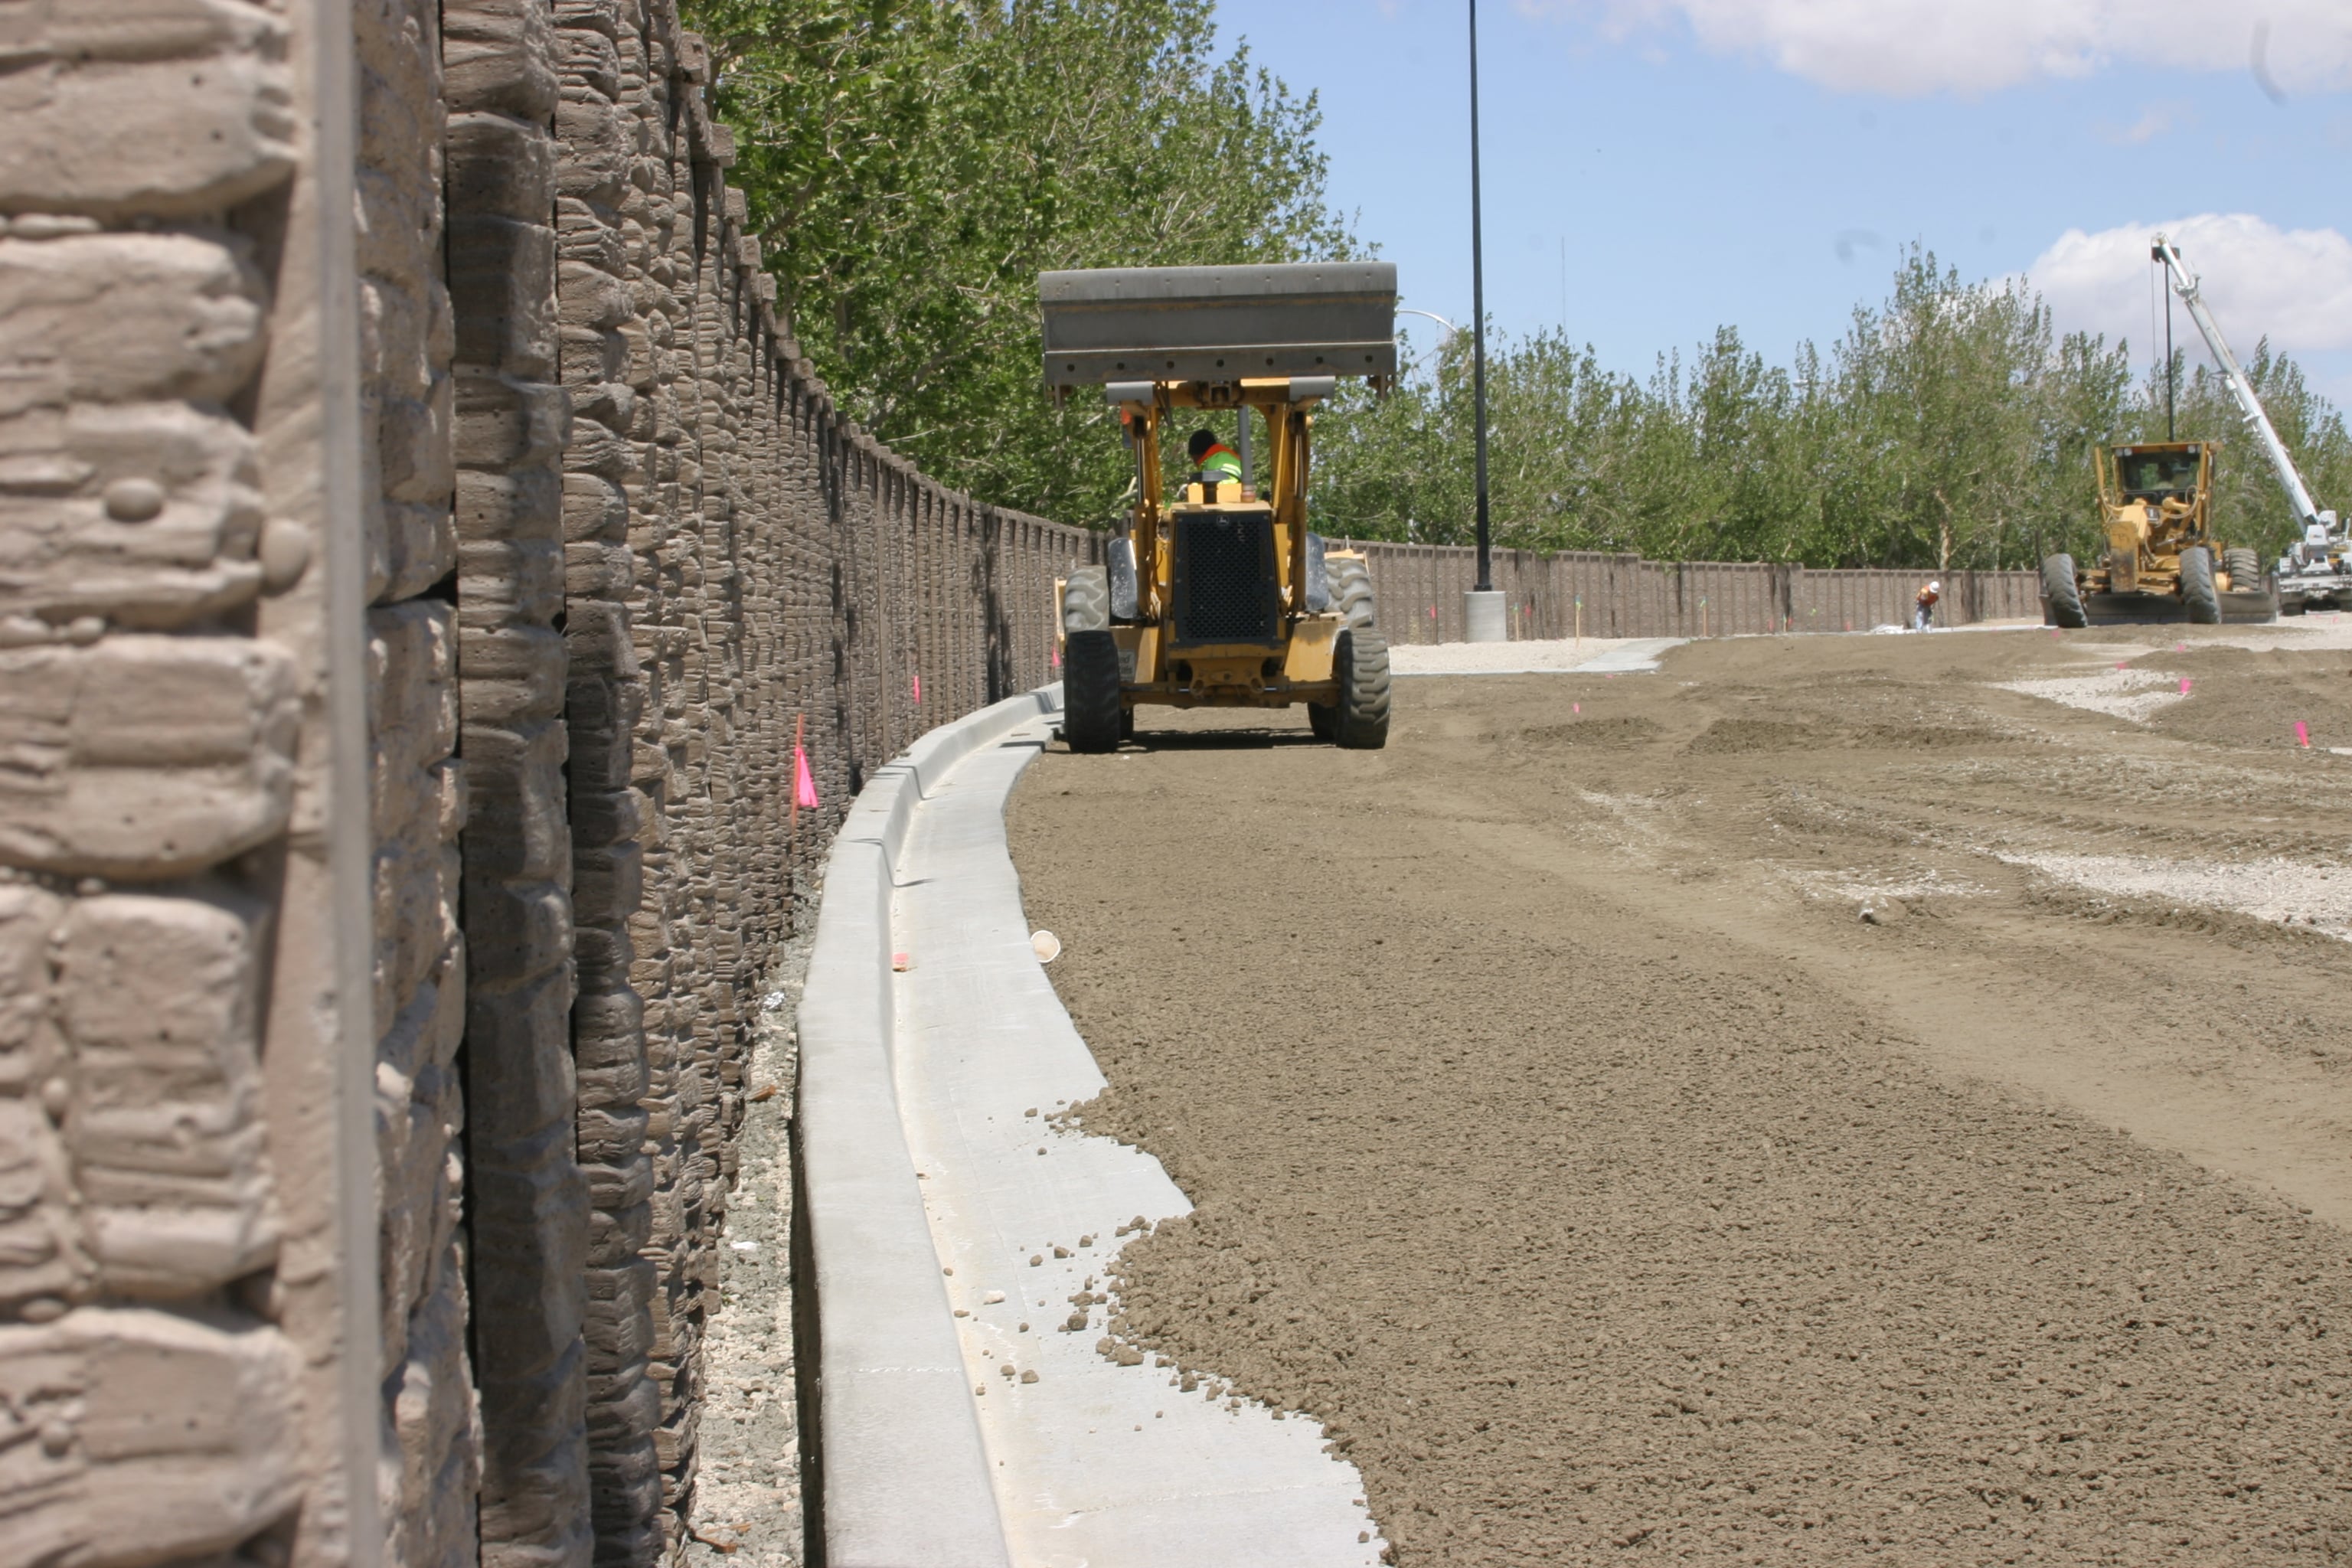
{"x": 1213, "y": 462}
{"x": 1923, "y": 608}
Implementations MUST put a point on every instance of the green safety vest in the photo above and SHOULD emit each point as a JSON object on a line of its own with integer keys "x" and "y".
{"x": 1221, "y": 464}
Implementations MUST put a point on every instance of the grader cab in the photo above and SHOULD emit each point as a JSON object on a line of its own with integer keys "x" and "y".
{"x": 1218, "y": 594}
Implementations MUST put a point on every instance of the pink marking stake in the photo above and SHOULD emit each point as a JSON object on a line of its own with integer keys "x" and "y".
{"x": 2184, "y": 686}
{"x": 2302, "y": 734}
{"x": 803, "y": 782}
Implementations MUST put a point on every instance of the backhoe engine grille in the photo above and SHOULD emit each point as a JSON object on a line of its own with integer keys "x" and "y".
{"x": 1224, "y": 582}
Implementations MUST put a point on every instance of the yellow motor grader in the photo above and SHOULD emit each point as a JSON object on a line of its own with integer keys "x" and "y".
{"x": 2161, "y": 563}
{"x": 1218, "y": 594}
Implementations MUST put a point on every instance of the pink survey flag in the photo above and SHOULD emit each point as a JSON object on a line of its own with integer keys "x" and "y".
{"x": 803, "y": 782}
{"x": 918, "y": 691}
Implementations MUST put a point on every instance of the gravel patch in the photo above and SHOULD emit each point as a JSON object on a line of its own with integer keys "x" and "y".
{"x": 2136, "y": 695}
{"x": 2287, "y": 891}
{"x": 747, "y": 1509}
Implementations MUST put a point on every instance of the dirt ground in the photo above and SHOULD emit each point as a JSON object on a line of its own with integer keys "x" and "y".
{"x": 1567, "y": 1140}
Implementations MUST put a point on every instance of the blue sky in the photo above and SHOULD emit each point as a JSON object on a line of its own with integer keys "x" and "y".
{"x": 1713, "y": 161}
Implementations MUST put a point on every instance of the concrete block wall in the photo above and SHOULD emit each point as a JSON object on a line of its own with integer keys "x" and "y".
{"x": 1419, "y": 590}
{"x": 421, "y": 543}
{"x": 196, "y": 1362}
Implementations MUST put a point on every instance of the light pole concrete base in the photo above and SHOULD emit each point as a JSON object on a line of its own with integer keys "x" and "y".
{"x": 1485, "y": 616}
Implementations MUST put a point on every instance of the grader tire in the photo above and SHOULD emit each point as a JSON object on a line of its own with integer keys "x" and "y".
{"x": 1093, "y": 718}
{"x": 2245, "y": 570}
{"x": 1323, "y": 718}
{"x": 2197, "y": 590}
{"x": 2065, "y": 595}
{"x": 1361, "y": 721}
{"x": 1351, "y": 590}
{"x": 1086, "y": 600}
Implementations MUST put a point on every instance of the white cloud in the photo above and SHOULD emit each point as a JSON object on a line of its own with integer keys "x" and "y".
{"x": 2293, "y": 286}
{"x": 1907, "y": 47}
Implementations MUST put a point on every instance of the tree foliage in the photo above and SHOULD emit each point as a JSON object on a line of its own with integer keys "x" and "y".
{"x": 1949, "y": 426}
{"x": 912, "y": 165}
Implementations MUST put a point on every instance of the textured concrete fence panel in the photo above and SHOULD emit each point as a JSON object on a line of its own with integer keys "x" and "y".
{"x": 421, "y": 543}
{"x": 1419, "y": 588}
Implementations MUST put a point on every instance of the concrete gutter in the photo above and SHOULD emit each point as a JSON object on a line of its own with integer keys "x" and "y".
{"x": 904, "y": 1481}
{"x": 925, "y": 1112}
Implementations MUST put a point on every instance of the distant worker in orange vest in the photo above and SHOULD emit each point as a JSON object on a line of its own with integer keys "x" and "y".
{"x": 1923, "y": 608}
{"x": 1213, "y": 462}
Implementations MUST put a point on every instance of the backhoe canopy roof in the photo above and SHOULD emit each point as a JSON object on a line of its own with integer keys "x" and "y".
{"x": 1219, "y": 323}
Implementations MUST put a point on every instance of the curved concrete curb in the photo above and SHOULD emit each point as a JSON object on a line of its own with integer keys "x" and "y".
{"x": 970, "y": 1418}
{"x": 905, "y": 1478}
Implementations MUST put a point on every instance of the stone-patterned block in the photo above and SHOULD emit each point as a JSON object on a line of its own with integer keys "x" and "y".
{"x": 433, "y": 1422}
{"x": 131, "y": 1436}
{"x": 502, "y": 295}
{"x": 144, "y": 756}
{"x": 505, "y": 423}
{"x": 41, "y": 1252}
{"x": 512, "y": 674}
{"x": 510, "y": 583}
{"x": 499, "y": 55}
{"x": 158, "y": 999}
{"x": 145, "y": 514}
{"x": 120, "y": 318}
{"x": 524, "y": 504}
{"x": 30, "y": 1047}
{"x": 158, "y": 107}
{"x": 500, "y": 167}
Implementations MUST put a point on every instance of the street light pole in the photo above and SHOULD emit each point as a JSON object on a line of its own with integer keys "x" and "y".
{"x": 1485, "y": 617}
{"x": 1478, "y": 322}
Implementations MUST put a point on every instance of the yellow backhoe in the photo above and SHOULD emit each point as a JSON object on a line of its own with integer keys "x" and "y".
{"x": 1218, "y": 594}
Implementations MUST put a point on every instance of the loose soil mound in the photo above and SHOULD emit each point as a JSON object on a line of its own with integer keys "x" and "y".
{"x": 1563, "y": 1139}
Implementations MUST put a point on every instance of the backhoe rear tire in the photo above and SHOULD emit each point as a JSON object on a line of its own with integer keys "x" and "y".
{"x": 1351, "y": 590}
{"x": 1093, "y": 718}
{"x": 2196, "y": 586}
{"x": 1361, "y": 720}
{"x": 1086, "y": 600}
{"x": 2062, "y": 592}
{"x": 2245, "y": 570}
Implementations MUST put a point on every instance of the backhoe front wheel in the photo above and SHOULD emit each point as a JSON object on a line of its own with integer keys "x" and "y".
{"x": 1360, "y": 720}
{"x": 1093, "y": 718}
{"x": 1086, "y": 600}
{"x": 1351, "y": 590}
{"x": 2061, "y": 592}
{"x": 2196, "y": 591}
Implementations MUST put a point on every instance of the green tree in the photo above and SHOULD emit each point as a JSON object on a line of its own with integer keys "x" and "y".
{"x": 2249, "y": 507}
{"x": 1949, "y": 426}
{"x": 912, "y": 165}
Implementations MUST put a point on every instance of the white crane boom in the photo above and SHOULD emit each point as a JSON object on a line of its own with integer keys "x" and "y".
{"x": 2185, "y": 284}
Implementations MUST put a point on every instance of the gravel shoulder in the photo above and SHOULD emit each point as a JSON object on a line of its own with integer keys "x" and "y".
{"x": 1567, "y": 1141}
